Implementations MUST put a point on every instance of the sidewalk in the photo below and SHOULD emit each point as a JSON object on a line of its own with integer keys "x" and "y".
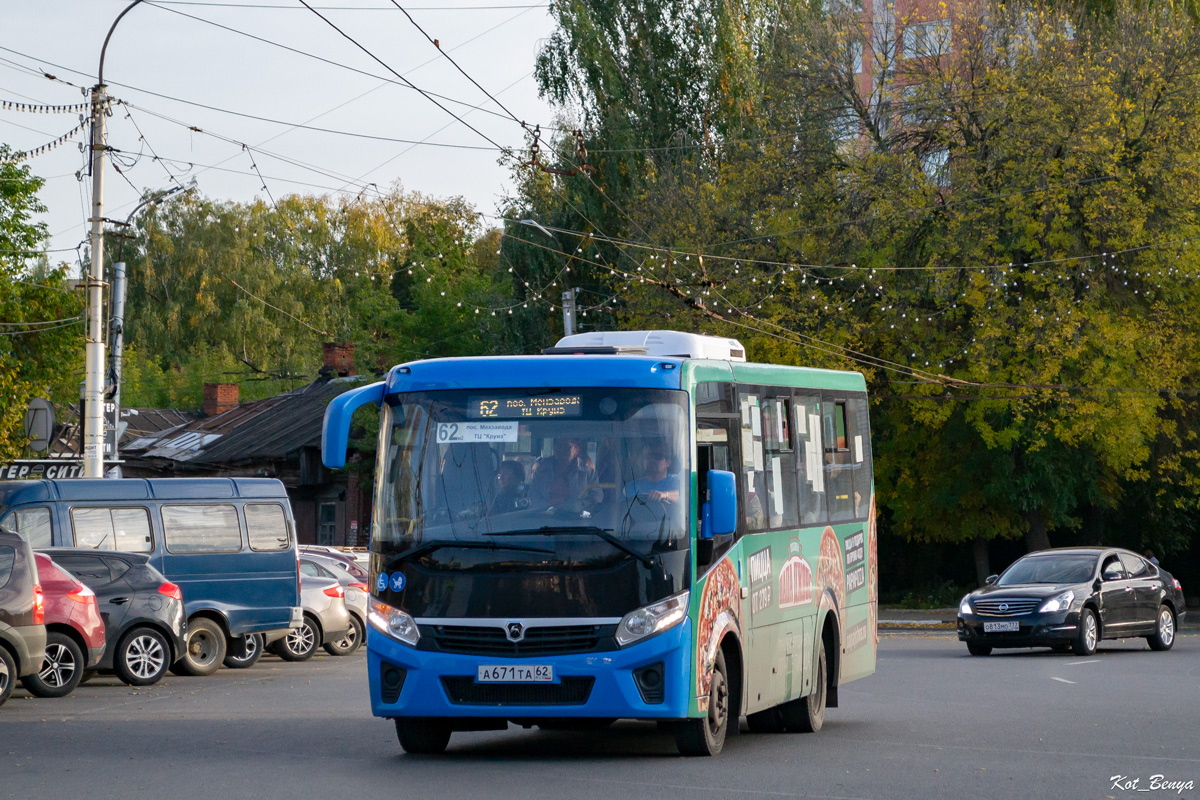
{"x": 917, "y": 619}
{"x": 944, "y": 619}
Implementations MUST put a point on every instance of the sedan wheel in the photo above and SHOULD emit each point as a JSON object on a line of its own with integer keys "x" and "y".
{"x": 1089, "y": 633}
{"x": 300, "y": 643}
{"x": 348, "y": 643}
{"x": 8, "y": 671}
{"x": 1164, "y": 631}
{"x": 62, "y": 668}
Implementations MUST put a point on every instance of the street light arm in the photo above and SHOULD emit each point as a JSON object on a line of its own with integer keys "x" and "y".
{"x": 104, "y": 49}
{"x": 154, "y": 198}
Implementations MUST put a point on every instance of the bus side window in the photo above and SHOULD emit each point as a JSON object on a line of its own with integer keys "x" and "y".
{"x": 860, "y": 454}
{"x": 716, "y": 429}
{"x": 753, "y": 491}
{"x": 839, "y": 469}
{"x": 809, "y": 453}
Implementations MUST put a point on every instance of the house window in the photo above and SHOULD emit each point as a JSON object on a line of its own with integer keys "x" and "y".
{"x": 327, "y": 523}
{"x": 936, "y": 166}
{"x": 922, "y": 39}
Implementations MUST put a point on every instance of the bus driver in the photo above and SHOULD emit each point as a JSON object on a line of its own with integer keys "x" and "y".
{"x": 659, "y": 484}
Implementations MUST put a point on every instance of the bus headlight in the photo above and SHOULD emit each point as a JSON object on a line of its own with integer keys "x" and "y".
{"x": 652, "y": 619}
{"x": 393, "y": 622}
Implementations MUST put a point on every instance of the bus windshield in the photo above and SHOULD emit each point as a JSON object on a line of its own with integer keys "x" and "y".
{"x": 549, "y": 482}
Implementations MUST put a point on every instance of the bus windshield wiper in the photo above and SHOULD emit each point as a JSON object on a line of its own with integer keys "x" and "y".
{"x": 437, "y": 544}
{"x": 602, "y": 533}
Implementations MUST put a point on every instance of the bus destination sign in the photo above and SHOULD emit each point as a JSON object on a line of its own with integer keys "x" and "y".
{"x": 555, "y": 405}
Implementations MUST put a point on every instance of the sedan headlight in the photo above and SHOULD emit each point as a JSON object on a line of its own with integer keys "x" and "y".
{"x": 1059, "y": 602}
{"x": 965, "y": 606}
{"x": 393, "y": 622}
{"x": 649, "y": 620}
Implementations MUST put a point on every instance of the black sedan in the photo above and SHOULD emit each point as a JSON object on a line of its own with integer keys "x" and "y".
{"x": 142, "y": 611}
{"x": 1069, "y": 599}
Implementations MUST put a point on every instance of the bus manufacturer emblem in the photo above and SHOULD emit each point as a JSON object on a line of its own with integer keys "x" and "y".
{"x": 515, "y": 631}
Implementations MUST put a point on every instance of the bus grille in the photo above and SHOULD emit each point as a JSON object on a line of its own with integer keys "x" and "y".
{"x": 1012, "y": 608}
{"x": 463, "y": 690}
{"x": 486, "y": 641}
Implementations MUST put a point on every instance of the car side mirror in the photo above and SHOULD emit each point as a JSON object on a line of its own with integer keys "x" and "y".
{"x": 991, "y": 579}
{"x": 719, "y": 514}
{"x": 1096, "y": 585}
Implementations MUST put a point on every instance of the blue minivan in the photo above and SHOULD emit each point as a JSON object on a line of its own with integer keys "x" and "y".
{"x": 229, "y": 544}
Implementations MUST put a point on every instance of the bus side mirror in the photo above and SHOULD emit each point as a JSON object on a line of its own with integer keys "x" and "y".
{"x": 720, "y": 512}
{"x": 335, "y": 432}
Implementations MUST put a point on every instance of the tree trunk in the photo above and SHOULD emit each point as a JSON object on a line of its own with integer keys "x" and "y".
{"x": 1036, "y": 537}
{"x": 983, "y": 566}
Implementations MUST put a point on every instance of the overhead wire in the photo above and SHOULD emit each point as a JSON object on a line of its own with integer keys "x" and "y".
{"x": 409, "y": 83}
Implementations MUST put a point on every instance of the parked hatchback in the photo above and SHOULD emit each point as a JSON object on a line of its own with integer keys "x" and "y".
{"x": 142, "y": 612}
{"x": 22, "y": 613}
{"x": 74, "y": 632}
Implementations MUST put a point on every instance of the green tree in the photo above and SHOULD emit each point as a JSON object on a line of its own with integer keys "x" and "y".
{"x": 970, "y": 230}
{"x": 41, "y": 344}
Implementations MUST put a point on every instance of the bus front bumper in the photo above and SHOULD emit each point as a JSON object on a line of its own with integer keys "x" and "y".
{"x": 407, "y": 682}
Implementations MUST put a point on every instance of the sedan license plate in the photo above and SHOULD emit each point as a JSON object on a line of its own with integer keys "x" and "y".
{"x": 522, "y": 673}
{"x": 1001, "y": 627}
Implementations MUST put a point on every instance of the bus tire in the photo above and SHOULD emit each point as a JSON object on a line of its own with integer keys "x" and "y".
{"x": 807, "y": 714}
{"x": 422, "y": 736}
{"x": 706, "y": 736}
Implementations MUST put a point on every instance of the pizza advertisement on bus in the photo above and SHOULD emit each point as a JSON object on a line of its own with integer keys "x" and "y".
{"x": 719, "y": 613}
{"x": 795, "y": 578}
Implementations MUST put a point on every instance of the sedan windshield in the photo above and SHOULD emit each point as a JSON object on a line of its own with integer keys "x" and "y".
{"x": 1064, "y": 568}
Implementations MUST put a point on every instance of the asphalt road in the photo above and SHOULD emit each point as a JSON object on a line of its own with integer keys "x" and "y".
{"x": 933, "y": 722}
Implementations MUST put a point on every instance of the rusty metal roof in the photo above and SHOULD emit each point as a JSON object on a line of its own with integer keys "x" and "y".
{"x": 274, "y": 428}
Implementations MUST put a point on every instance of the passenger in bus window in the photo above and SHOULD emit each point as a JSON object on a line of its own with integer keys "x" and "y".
{"x": 659, "y": 484}
{"x": 510, "y": 482}
{"x": 563, "y": 478}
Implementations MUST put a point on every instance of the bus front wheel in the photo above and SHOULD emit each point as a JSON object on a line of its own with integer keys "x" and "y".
{"x": 706, "y": 736}
{"x": 422, "y": 736}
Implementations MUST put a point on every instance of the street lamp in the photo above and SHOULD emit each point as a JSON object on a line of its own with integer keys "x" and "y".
{"x": 569, "y": 296}
{"x": 93, "y": 421}
{"x": 116, "y": 329}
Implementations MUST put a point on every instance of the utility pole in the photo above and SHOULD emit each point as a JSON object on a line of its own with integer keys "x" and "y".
{"x": 93, "y": 383}
{"x": 93, "y": 387}
{"x": 568, "y": 307}
{"x": 116, "y": 334}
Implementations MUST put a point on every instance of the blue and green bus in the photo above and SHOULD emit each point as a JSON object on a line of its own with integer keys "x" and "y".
{"x": 632, "y": 525}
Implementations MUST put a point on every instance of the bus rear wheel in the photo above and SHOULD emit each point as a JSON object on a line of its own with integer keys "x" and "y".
{"x": 422, "y": 736}
{"x": 706, "y": 736}
{"x": 807, "y": 714}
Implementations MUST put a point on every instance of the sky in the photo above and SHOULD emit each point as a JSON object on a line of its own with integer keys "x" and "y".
{"x": 178, "y": 73}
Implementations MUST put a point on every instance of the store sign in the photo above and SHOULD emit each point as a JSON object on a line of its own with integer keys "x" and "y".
{"x": 36, "y": 470}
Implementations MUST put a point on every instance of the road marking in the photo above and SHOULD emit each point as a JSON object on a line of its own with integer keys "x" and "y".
{"x": 1062, "y": 680}
{"x": 1077, "y": 663}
